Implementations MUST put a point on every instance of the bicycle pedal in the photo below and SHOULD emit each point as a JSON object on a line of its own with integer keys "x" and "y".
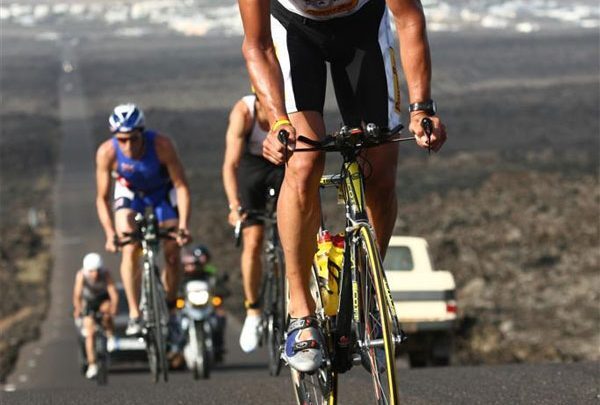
{"x": 356, "y": 359}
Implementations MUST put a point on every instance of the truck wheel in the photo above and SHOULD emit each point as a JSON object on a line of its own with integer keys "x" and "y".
{"x": 417, "y": 359}
{"x": 440, "y": 361}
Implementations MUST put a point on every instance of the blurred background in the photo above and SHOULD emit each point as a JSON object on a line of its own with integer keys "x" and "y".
{"x": 510, "y": 205}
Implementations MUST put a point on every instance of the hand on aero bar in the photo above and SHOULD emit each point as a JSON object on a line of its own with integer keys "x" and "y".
{"x": 274, "y": 149}
{"x": 438, "y": 134}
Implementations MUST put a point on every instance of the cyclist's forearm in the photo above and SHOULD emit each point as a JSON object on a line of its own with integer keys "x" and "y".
{"x": 105, "y": 216}
{"x": 231, "y": 186}
{"x": 415, "y": 55}
{"x": 183, "y": 206}
{"x": 266, "y": 77}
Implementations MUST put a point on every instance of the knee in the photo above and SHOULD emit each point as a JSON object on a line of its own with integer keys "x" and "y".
{"x": 252, "y": 246}
{"x": 129, "y": 253}
{"x": 88, "y": 324}
{"x": 105, "y": 307}
{"x": 172, "y": 258}
{"x": 304, "y": 172}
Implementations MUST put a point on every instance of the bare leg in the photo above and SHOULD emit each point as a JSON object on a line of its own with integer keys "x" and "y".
{"x": 251, "y": 264}
{"x": 130, "y": 273}
{"x": 298, "y": 213}
{"x": 107, "y": 320}
{"x": 172, "y": 272}
{"x": 382, "y": 205}
{"x": 90, "y": 327}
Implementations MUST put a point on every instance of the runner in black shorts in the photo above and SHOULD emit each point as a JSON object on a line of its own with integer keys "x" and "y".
{"x": 286, "y": 46}
{"x": 247, "y": 177}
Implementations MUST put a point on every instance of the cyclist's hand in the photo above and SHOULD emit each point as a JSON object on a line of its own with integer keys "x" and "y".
{"x": 183, "y": 237}
{"x": 274, "y": 149}
{"x": 438, "y": 135}
{"x": 235, "y": 216}
{"x": 111, "y": 243}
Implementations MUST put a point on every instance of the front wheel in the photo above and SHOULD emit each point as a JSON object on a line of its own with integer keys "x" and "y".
{"x": 201, "y": 367}
{"x": 377, "y": 331}
{"x": 156, "y": 326}
{"x": 101, "y": 358}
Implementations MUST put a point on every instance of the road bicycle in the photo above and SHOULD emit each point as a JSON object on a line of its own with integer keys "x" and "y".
{"x": 153, "y": 306}
{"x": 272, "y": 291}
{"x": 364, "y": 329}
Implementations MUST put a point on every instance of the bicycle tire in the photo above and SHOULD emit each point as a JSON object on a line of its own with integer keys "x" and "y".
{"x": 276, "y": 314}
{"x": 320, "y": 387}
{"x": 160, "y": 324}
{"x": 202, "y": 361}
{"x": 149, "y": 336}
{"x": 101, "y": 358}
{"x": 376, "y": 330}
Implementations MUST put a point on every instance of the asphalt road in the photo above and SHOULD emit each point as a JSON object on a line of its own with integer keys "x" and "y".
{"x": 47, "y": 371}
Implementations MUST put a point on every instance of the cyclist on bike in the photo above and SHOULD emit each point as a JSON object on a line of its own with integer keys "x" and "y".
{"x": 94, "y": 293}
{"x": 247, "y": 176}
{"x": 197, "y": 265}
{"x": 287, "y": 50}
{"x": 148, "y": 173}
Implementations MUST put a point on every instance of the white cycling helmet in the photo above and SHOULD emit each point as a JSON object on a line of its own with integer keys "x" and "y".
{"x": 92, "y": 261}
{"x": 126, "y": 118}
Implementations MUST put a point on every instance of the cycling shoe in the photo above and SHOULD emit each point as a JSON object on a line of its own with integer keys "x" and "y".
{"x": 134, "y": 326}
{"x": 303, "y": 345}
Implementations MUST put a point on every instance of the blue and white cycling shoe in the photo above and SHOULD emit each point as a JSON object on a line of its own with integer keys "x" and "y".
{"x": 303, "y": 345}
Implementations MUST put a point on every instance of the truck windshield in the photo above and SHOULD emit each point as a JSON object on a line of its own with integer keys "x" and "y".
{"x": 398, "y": 258}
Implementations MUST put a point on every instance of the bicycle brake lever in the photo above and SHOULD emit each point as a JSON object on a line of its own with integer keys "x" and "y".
{"x": 282, "y": 136}
{"x": 427, "y": 126}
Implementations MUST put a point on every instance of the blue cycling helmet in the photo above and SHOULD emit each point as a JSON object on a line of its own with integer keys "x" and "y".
{"x": 126, "y": 118}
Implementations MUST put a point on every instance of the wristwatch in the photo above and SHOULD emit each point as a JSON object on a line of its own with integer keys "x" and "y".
{"x": 428, "y": 107}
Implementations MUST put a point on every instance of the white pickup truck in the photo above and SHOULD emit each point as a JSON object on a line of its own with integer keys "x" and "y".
{"x": 425, "y": 301}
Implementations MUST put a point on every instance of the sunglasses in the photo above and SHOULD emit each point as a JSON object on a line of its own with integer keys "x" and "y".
{"x": 132, "y": 139}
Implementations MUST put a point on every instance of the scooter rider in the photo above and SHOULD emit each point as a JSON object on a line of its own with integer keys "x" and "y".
{"x": 197, "y": 265}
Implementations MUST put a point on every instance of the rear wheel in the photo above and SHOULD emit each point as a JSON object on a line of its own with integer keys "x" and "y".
{"x": 276, "y": 315}
{"x": 376, "y": 333}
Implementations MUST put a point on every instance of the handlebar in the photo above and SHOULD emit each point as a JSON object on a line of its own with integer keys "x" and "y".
{"x": 354, "y": 138}
{"x": 348, "y": 138}
{"x": 138, "y": 236}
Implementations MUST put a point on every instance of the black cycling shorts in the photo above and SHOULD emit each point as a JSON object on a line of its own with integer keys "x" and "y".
{"x": 255, "y": 176}
{"x": 360, "y": 50}
{"x": 91, "y": 306}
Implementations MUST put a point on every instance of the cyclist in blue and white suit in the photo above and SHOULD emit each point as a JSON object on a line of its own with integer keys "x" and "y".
{"x": 287, "y": 45}
{"x": 148, "y": 174}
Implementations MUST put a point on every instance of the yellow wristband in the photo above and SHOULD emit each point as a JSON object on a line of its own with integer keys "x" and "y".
{"x": 280, "y": 122}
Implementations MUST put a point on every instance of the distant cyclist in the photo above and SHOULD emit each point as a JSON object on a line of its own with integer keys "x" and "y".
{"x": 287, "y": 46}
{"x": 94, "y": 293}
{"x": 247, "y": 176}
{"x": 148, "y": 173}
